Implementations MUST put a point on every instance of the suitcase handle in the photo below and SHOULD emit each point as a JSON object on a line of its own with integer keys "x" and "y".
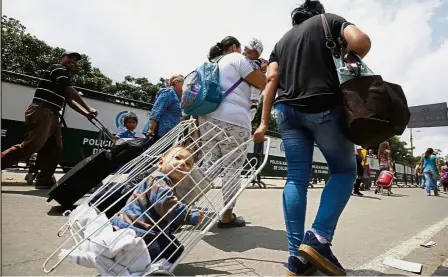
{"x": 102, "y": 128}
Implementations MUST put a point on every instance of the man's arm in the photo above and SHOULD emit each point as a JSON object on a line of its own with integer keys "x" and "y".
{"x": 73, "y": 96}
{"x": 77, "y": 107}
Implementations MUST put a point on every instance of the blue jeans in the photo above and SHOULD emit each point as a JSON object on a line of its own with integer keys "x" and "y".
{"x": 430, "y": 181}
{"x": 299, "y": 131}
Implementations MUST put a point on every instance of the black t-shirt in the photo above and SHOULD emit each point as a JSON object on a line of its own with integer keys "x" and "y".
{"x": 307, "y": 75}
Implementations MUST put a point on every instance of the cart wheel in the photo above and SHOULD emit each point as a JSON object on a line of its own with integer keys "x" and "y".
{"x": 29, "y": 179}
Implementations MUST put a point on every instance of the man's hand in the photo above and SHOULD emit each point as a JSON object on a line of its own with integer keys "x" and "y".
{"x": 93, "y": 112}
{"x": 259, "y": 133}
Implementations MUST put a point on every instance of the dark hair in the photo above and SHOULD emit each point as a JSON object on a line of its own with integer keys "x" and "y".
{"x": 307, "y": 10}
{"x": 130, "y": 116}
{"x": 429, "y": 152}
{"x": 221, "y": 47}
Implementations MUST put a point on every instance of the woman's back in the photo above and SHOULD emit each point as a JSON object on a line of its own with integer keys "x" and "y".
{"x": 235, "y": 108}
{"x": 429, "y": 163}
{"x": 308, "y": 78}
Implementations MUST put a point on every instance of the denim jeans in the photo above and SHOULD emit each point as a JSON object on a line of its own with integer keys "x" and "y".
{"x": 430, "y": 181}
{"x": 299, "y": 132}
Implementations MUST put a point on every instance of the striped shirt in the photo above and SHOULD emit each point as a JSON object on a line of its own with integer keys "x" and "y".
{"x": 51, "y": 89}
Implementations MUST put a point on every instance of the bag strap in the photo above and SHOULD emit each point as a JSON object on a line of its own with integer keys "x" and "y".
{"x": 232, "y": 88}
{"x": 329, "y": 41}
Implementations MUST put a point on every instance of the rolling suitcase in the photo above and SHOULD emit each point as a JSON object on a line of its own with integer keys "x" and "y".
{"x": 86, "y": 175}
{"x": 82, "y": 178}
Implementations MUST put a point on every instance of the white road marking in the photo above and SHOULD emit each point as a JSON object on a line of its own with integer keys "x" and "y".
{"x": 401, "y": 250}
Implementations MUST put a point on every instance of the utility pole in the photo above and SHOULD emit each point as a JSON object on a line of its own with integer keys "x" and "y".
{"x": 412, "y": 143}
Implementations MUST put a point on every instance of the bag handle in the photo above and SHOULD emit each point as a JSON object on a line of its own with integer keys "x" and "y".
{"x": 330, "y": 44}
{"x": 329, "y": 41}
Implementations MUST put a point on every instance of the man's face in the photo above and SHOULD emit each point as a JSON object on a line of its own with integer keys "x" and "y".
{"x": 69, "y": 62}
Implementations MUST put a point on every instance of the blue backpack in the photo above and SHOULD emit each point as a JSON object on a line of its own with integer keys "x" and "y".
{"x": 202, "y": 91}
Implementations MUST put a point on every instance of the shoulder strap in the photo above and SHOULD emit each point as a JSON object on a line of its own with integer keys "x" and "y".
{"x": 232, "y": 88}
{"x": 329, "y": 41}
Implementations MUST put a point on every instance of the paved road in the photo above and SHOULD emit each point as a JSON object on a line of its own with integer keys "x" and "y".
{"x": 371, "y": 228}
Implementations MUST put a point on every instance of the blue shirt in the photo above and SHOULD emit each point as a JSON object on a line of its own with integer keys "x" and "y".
{"x": 429, "y": 164}
{"x": 166, "y": 111}
{"x": 126, "y": 134}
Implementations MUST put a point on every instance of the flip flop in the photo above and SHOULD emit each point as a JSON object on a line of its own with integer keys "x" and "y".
{"x": 237, "y": 221}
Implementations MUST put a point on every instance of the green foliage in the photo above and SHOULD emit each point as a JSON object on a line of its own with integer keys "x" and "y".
{"x": 26, "y": 54}
{"x": 257, "y": 119}
{"x": 400, "y": 151}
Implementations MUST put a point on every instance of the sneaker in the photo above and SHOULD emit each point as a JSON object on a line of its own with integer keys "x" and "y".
{"x": 358, "y": 193}
{"x": 297, "y": 268}
{"x": 320, "y": 255}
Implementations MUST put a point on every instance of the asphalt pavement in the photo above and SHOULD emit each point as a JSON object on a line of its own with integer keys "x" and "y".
{"x": 371, "y": 228}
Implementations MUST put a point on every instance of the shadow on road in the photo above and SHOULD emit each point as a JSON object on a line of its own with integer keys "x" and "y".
{"x": 441, "y": 271}
{"x": 370, "y": 197}
{"x": 34, "y": 192}
{"x": 232, "y": 266}
{"x": 247, "y": 238}
{"x": 59, "y": 210}
{"x": 398, "y": 195}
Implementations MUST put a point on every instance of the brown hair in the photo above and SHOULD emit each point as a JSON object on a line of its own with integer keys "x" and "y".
{"x": 429, "y": 152}
{"x": 381, "y": 149}
{"x": 223, "y": 46}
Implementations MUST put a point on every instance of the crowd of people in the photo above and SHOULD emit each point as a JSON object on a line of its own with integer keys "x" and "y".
{"x": 303, "y": 88}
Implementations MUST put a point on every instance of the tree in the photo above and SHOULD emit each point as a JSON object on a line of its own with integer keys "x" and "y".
{"x": 138, "y": 88}
{"x": 257, "y": 119}
{"x": 26, "y": 54}
{"x": 400, "y": 151}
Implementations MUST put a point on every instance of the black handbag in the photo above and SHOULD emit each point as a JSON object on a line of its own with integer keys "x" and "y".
{"x": 375, "y": 110}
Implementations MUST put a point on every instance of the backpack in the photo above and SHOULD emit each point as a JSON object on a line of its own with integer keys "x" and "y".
{"x": 202, "y": 90}
{"x": 375, "y": 110}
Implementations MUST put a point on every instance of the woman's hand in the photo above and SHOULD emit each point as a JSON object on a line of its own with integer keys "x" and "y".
{"x": 150, "y": 133}
{"x": 259, "y": 133}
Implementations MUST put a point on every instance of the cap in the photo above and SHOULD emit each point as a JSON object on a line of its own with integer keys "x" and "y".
{"x": 358, "y": 147}
{"x": 73, "y": 54}
{"x": 255, "y": 44}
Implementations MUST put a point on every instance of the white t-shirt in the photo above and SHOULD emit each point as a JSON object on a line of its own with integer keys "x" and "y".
{"x": 235, "y": 108}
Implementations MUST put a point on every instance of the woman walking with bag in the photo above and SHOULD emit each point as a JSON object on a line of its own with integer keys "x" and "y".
{"x": 309, "y": 109}
{"x": 232, "y": 115}
{"x": 429, "y": 162}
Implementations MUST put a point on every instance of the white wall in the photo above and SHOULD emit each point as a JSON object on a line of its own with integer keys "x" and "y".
{"x": 16, "y": 98}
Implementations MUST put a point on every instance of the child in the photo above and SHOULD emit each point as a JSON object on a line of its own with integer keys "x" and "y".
{"x": 130, "y": 123}
{"x": 444, "y": 178}
{"x": 253, "y": 51}
{"x": 157, "y": 209}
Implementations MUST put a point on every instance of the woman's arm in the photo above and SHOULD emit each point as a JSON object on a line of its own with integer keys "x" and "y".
{"x": 268, "y": 101}
{"x": 257, "y": 79}
{"x": 157, "y": 112}
{"x": 357, "y": 40}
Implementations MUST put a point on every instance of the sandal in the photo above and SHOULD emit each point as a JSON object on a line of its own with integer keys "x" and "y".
{"x": 237, "y": 221}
